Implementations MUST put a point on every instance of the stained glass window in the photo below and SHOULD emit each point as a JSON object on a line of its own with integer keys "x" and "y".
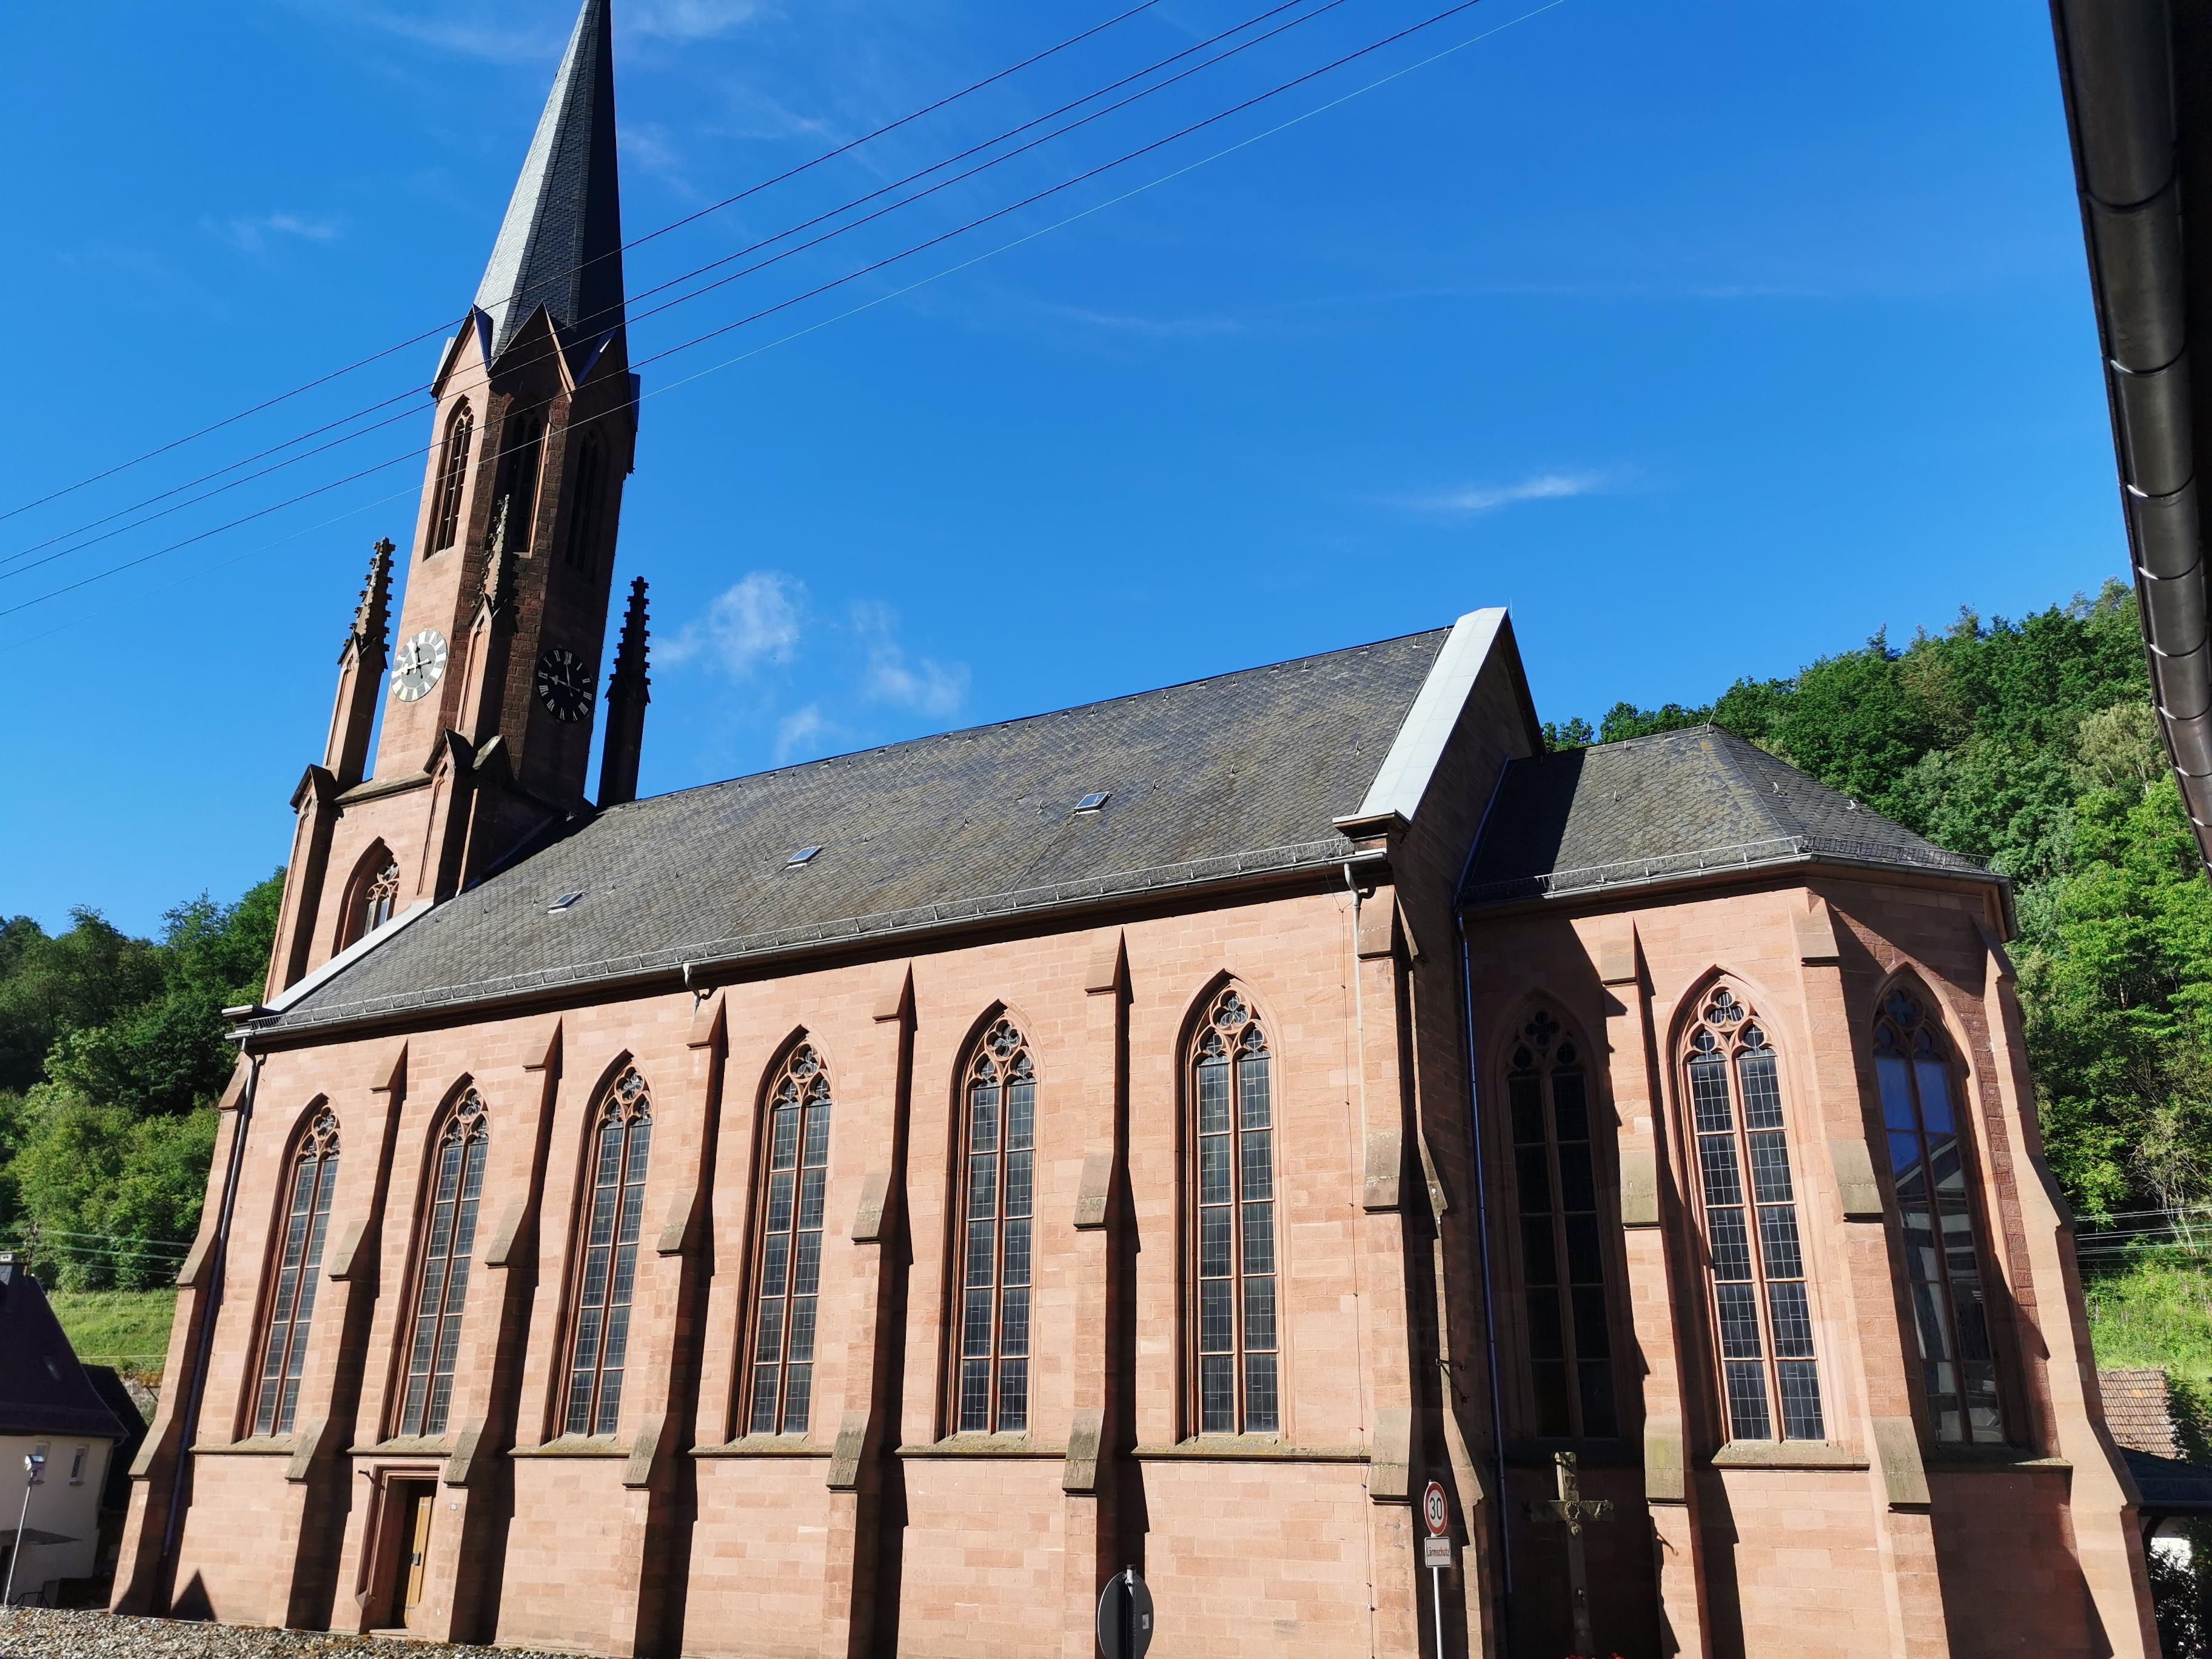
{"x": 606, "y": 1270}
{"x": 1943, "y": 1256}
{"x": 1238, "y": 1342}
{"x": 1762, "y": 1314}
{"x": 1561, "y": 1236}
{"x": 787, "y": 1274}
{"x": 998, "y": 1176}
{"x": 442, "y": 1285}
{"x": 315, "y": 1173}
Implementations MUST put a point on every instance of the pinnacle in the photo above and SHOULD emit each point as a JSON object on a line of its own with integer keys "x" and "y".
{"x": 372, "y": 614}
{"x": 630, "y": 649}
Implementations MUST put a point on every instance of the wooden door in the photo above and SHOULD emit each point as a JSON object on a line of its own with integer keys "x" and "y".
{"x": 416, "y": 1532}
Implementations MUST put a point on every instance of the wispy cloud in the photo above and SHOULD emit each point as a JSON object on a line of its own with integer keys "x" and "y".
{"x": 1471, "y": 498}
{"x": 1154, "y": 328}
{"x": 849, "y": 664}
{"x": 688, "y": 19}
{"x": 754, "y": 623}
{"x": 465, "y": 37}
{"x": 252, "y": 234}
{"x": 925, "y": 685}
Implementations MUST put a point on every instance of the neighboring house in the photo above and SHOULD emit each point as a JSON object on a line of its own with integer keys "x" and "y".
{"x": 47, "y": 1405}
{"x": 2165, "y": 1452}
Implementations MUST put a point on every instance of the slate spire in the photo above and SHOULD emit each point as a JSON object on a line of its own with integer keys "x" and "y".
{"x": 560, "y": 245}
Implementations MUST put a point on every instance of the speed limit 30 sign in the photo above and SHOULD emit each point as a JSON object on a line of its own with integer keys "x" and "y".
{"x": 1436, "y": 1516}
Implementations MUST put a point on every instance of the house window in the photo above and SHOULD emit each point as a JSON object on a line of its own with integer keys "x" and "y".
{"x": 606, "y": 1269}
{"x": 1760, "y": 1307}
{"x": 442, "y": 1287}
{"x": 313, "y": 1174}
{"x": 590, "y": 498}
{"x": 789, "y": 1266}
{"x": 1232, "y": 1178}
{"x": 76, "y": 1466}
{"x": 452, "y": 475}
{"x": 376, "y": 895}
{"x": 1943, "y": 1254}
{"x": 1555, "y": 1190}
{"x": 999, "y": 1131}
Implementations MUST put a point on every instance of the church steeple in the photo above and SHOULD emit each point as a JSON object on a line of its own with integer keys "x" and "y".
{"x": 560, "y": 245}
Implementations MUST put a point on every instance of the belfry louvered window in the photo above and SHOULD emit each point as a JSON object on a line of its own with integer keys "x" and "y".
{"x": 312, "y": 1175}
{"x": 1928, "y": 1161}
{"x": 587, "y": 504}
{"x": 1761, "y": 1309}
{"x": 449, "y": 1237}
{"x": 523, "y": 445}
{"x": 1233, "y": 1180}
{"x": 1555, "y": 1187}
{"x": 606, "y": 1270}
{"x": 997, "y": 1174}
{"x": 780, "y": 1384}
{"x": 452, "y": 477}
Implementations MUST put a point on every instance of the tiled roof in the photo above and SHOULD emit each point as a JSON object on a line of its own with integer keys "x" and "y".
{"x": 1655, "y": 809}
{"x": 1238, "y": 775}
{"x": 43, "y": 1388}
{"x": 560, "y": 245}
{"x": 2139, "y": 1410}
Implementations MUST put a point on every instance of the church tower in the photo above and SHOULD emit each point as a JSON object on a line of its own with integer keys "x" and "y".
{"x": 495, "y": 658}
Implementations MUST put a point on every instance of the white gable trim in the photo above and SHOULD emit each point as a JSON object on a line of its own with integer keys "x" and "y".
{"x": 1412, "y": 760}
{"x": 346, "y": 959}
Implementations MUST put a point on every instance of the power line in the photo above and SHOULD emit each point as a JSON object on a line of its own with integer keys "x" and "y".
{"x": 1177, "y": 172}
{"x": 753, "y": 190}
{"x": 584, "y": 325}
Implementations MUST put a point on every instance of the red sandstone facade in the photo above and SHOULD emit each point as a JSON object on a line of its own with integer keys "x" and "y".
{"x": 1408, "y": 1344}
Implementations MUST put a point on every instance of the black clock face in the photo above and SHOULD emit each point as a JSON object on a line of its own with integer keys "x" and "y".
{"x": 564, "y": 684}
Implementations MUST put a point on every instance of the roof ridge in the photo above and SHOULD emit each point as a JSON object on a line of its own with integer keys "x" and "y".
{"x": 1021, "y": 719}
{"x": 1771, "y": 806}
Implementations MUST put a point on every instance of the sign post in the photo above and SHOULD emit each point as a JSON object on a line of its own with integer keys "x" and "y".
{"x": 1125, "y": 1616}
{"x": 34, "y": 1463}
{"x": 1436, "y": 1550}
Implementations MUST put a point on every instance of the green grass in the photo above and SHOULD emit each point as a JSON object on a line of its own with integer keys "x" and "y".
{"x": 127, "y": 1329}
{"x": 2155, "y": 1310}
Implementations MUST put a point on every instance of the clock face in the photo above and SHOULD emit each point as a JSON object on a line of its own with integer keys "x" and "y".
{"x": 420, "y": 665}
{"x": 564, "y": 683}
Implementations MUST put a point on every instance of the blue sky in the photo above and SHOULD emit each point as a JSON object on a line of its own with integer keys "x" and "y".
{"x": 1710, "y": 338}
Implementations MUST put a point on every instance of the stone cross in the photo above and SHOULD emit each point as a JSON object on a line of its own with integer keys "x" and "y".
{"x": 1576, "y": 1510}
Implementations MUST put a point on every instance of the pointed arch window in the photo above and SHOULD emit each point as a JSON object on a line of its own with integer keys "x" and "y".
{"x": 313, "y": 1174}
{"x": 442, "y": 1285}
{"x": 589, "y": 503}
{"x": 1555, "y": 1189}
{"x": 606, "y": 1270}
{"x": 524, "y": 447}
{"x": 452, "y": 477}
{"x": 375, "y": 896}
{"x": 1761, "y": 1307}
{"x": 997, "y": 1169}
{"x": 788, "y": 1267}
{"x": 1943, "y": 1250}
{"x": 1233, "y": 1180}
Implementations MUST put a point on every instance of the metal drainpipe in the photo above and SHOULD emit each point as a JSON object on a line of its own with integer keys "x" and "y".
{"x": 213, "y": 1267}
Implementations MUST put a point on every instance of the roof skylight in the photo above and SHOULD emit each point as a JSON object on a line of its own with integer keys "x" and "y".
{"x": 562, "y": 902}
{"x": 804, "y": 855}
{"x": 1091, "y": 803}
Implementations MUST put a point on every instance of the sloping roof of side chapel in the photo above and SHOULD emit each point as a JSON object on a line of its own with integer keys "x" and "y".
{"x": 1237, "y": 775}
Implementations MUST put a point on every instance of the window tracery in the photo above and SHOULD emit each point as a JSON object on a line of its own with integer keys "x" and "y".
{"x": 997, "y": 1169}
{"x": 376, "y": 895}
{"x": 1561, "y": 1236}
{"x": 442, "y": 1280}
{"x": 452, "y": 477}
{"x": 1943, "y": 1252}
{"x": 1760, "y": 1304}
{"x": 606, "y": 1270}
{"x": 788, "y": 1271}
{"x": 1233, "y": 1183}
{"x": 313, "y": 1175}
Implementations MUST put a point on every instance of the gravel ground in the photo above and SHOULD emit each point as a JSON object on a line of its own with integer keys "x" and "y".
{"x": 51, "y": 1633}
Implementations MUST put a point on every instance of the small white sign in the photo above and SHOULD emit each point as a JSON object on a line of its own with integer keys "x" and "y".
{"x": 1435, "y": 1551}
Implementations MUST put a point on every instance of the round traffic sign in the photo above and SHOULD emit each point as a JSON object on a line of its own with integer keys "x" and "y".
{"x": 1435, "y": 1511}
{"x": 1125, "y": 1616}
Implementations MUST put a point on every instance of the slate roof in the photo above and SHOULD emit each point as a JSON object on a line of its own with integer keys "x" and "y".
{"x": 43, "y": 1388}
{"x": 1655, "y": 809}
{"x": 560, "y": 245}
{"x": 1237, "y": 774}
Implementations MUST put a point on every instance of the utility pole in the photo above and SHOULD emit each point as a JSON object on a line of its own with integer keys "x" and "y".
{"x": 32, "y": 1463}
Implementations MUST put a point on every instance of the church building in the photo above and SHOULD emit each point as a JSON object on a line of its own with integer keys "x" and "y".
{"x": 861, "y": 1208}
